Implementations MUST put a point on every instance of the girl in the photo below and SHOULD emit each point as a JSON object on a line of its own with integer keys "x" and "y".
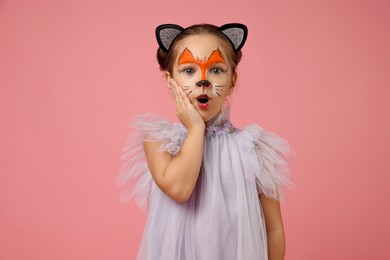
{"x": 212, "y": 190}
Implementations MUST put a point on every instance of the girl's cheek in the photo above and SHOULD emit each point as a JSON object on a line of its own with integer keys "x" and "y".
{"x": 180, "y": 79}
{"x": 186, "y": 78}
{"x": 188, "y": 82}
{"x": 188, "y": 85}
{"x": 220, "y": 81}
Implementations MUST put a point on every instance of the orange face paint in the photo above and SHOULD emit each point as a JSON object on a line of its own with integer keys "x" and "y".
{"x": 215, "y": 57}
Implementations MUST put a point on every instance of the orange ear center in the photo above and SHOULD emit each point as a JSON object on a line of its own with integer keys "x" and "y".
{"x": 215, "y": 57}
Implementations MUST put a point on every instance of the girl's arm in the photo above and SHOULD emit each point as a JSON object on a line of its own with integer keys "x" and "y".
{"x": 176, "y": 176}
{"x": 274, "y": 227}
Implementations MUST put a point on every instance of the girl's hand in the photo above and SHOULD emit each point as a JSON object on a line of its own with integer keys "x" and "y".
{"x": 185, "y": 110}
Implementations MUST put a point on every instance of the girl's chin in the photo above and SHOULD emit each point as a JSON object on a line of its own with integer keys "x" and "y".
{"x": 207, "y": 115}
{"x": 208, "y": 112}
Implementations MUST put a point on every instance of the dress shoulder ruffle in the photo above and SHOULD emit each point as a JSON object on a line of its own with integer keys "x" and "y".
{"x": 268, "y": 153}
{"x": 134, "y": 176}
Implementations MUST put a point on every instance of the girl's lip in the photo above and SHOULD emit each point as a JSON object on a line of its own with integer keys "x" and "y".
{"x": 203, "y": 104}
{"x": 203, "y": 96}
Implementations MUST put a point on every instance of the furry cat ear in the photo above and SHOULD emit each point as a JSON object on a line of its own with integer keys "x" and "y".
{"x": 166, "y": 33}
{"x": 236, "y": 32}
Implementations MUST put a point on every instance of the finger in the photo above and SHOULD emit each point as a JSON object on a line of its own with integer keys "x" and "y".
{"x": 182, "y": 94}
{"x": 186, "y": 99}
{"x": 178, "y": 97}
{"x": 174, "y": 91}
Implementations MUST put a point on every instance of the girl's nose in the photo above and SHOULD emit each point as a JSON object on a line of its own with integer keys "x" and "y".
{"x": 203, "y": 83}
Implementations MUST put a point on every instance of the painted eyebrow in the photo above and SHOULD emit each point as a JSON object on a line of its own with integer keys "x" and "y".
{"x": 215, "y": 57}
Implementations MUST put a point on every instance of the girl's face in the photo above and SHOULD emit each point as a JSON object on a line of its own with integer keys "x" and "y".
{"x": 202, "y": 68}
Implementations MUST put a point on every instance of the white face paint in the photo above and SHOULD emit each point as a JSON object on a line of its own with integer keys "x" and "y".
{"x": 201, "y": 67}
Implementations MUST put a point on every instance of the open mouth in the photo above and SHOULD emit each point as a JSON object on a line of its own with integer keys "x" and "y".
{"x": 203, "y": 100}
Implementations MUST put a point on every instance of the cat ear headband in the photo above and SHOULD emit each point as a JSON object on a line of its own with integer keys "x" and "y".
{"x": 235, "y": 32}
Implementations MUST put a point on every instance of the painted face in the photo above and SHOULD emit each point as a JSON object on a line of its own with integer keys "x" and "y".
{"x": 215, "y": 57}
{"x": 204, "y": 73}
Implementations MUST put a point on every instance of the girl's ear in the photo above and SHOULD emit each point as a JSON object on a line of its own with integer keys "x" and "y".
{"x": 234, "y": 79}
{"x": 237, "y": 33}
{"x": 168, "y": 79}
{"x": 230, "y": 91}
{"x": 166, "y": 33}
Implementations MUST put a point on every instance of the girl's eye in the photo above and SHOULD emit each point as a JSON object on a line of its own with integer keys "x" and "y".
{"x": 188, "y": 71}
{"x": 217, "y": 70}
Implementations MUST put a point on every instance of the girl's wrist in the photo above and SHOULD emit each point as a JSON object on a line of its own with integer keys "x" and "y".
{"x": 198, "y": 128}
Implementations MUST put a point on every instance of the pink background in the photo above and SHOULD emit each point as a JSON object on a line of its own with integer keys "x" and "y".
{"x": 73, "y": 74}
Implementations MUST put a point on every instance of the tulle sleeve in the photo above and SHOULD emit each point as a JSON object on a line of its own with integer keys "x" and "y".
{"x": 271, "y": 167}
{"x": 134, "y": 176}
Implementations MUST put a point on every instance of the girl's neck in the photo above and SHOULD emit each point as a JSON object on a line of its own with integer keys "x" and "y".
{"x": 214, "y": 119}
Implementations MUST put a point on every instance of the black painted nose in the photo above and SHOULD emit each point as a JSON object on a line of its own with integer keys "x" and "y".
{"x": 203, "y": 83}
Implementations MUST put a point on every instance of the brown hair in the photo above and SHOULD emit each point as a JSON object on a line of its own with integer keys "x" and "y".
{"x": 165, "y": 59}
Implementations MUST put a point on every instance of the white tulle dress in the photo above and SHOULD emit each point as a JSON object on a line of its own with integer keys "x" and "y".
{"x": 223, "y": 218}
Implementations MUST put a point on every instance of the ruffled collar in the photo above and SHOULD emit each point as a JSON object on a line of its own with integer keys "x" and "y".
{"x": 219, "y": 124}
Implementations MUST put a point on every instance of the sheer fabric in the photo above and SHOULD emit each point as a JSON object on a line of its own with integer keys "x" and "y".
{"x": 223, "y": 218}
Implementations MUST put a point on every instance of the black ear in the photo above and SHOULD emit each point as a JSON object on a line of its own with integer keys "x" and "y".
{"x": 166, "y": 33}
{"x": 236, "y": 32}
